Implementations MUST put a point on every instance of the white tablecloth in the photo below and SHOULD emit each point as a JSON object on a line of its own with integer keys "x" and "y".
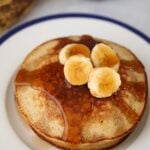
{"x": 133, "y": 12}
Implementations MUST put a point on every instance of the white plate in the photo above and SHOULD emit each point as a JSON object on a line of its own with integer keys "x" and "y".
{"x": 16, "y": 44}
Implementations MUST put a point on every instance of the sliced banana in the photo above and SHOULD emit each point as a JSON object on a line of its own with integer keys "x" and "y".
{"x": 103, "y": 82}
{"x": 104, "y": 56}
{"x": 77, "y": 69}
{"x": 73, "y": 49}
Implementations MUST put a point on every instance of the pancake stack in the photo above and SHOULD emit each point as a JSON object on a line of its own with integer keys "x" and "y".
{"x": 69, "y": 116}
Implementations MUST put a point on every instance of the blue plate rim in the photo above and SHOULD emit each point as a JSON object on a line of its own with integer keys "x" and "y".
{"x": 74, "y": 15}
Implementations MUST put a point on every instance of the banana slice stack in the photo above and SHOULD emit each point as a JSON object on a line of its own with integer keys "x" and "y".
{"x": 78, "y": 61}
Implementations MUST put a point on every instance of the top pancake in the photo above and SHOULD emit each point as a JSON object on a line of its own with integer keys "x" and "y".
{"x": 70, "y": 113}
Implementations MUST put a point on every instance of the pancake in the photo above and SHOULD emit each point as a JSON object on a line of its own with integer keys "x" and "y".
{"x": 69, "y": 116}
{"x": 11, "y": 11}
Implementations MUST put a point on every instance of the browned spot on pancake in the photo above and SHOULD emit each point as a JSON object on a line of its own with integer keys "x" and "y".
{"x": 130, "y": 115}
{"x": 139, "y": 90}
{"x": 76, "y": 101}
{"x": 136, "y": 88}
{"x": 62, "y": 43}
{"x": 88, "y": 41}
{"x": 133, "y": 64}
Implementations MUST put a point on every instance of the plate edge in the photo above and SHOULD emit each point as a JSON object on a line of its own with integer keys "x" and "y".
{"x": 73, "y": 15}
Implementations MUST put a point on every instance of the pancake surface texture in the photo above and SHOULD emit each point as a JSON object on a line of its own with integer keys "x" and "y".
{"x": 69, "y": 116}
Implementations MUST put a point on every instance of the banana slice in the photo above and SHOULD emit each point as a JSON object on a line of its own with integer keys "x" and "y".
{"x": 77, "y": 69}
{"x": 73, "y": 49}
{"x": 104, "y": 56}
{"x": 103, "y": 82}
